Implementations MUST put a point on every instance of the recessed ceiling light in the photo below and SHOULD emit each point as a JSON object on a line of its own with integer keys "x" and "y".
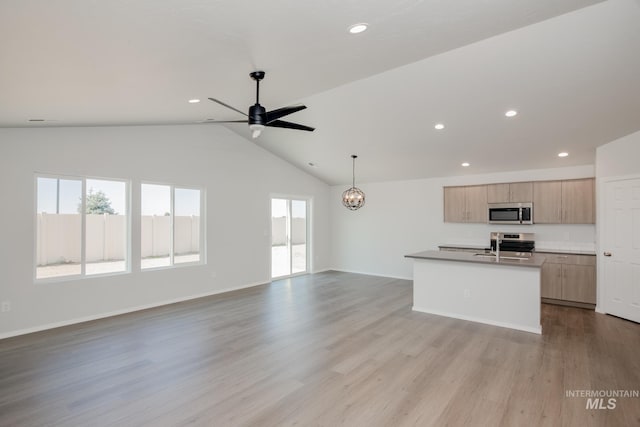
{"x": 439, "y": 126}
{"x": 563, "y": 154}
{"x": 466, "y": 164}
{"x": 194, "y": 101}
{"x": 358, "y": 28}
{"x": 511, "y": 113}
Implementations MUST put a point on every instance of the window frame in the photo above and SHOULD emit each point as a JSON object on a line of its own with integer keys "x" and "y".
{"x": 83, "y": 229}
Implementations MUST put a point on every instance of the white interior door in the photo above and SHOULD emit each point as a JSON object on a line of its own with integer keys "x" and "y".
{"x": 621, "y": 249}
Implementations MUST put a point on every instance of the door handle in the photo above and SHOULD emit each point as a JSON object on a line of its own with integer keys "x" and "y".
{"x": 607, "y": 254}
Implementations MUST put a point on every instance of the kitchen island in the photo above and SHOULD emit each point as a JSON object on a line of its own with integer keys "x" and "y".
{"x": 479, "y": 288}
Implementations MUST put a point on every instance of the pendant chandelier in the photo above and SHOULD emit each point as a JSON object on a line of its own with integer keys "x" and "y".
{"x": 353, "y": 198}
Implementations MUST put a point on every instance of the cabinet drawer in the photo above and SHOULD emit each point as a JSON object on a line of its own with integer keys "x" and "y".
{"x": 570, "y": 259}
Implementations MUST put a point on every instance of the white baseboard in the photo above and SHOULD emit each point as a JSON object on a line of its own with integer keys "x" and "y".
{"x": 123, "y": 311}
{"x": 370, "y": 274}
{"x": 534, "y": 330}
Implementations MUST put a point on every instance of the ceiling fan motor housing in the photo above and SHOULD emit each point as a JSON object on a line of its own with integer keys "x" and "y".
{"x": 257, "y": 115}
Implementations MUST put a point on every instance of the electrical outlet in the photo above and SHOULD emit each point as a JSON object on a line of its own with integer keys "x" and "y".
{"x": 467, "y": 293}
{"x": 6, "y": 306}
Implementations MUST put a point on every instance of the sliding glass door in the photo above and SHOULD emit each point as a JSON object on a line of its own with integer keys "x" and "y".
{"x": 289, "y": 232}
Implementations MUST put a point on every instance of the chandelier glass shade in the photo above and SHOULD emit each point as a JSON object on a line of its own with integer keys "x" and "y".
{"x": 353, "y": 198}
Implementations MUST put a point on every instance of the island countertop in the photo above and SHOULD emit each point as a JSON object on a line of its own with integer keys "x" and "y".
{"x": 534, "y": 261}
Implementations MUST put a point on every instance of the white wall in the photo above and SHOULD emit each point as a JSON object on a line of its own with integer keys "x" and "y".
{"x": 402, "y": 217}
{"x": 238, "y": 177}
{"x": 620, "y": 157}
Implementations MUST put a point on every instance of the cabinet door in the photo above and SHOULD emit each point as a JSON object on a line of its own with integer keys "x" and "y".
{"x": 497, "y": 193}
{"x": 551, "y": 281}
{"x": 578, "y": 201}
{"x": 476, "y": 203}
{"x": 579, "y": 283}
{"x": 547, "y": 202}
{"x": 521, "y": 192}
{"x": 454, "y": 204}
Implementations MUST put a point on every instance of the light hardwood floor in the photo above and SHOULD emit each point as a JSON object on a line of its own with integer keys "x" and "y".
{"x": 321, "y": 350}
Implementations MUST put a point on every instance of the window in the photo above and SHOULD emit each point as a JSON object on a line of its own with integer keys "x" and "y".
{"x": 170, "y": 225}
{"x": 81, "y": 227}
{"x": 106, "y": 222}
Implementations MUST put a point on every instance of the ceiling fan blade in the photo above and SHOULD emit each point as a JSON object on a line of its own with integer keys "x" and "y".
{"x": 284, "y": 111}
{"x": 224, "y": 121}
{"x": 228, "y": 106}
{"x": 289, "y": 125}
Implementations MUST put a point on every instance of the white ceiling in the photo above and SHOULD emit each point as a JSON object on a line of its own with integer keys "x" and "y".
{"x": 569, "y": 67}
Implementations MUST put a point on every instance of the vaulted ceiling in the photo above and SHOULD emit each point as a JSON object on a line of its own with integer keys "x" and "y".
{"x": 568, "y": 67}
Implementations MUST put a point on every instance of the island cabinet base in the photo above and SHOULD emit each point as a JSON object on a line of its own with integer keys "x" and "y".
{"x": 495, "y": 294}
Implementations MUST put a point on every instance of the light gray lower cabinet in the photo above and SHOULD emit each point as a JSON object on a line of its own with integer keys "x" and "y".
{"x": 569, "y": 279}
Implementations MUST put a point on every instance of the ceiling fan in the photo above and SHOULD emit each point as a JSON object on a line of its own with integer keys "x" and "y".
{"x": 259, "y": 118}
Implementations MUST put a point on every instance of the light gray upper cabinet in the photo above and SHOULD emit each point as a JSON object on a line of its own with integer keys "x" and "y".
{"x": 578, "y": 201}
{"x": 497, "y": 193}
{"x": 547, "y": 202}
{"x": 564, "y": 202}
{"x": 521, "y": 192}
{"x": 465, "y": 204}
{"x": 454, "y": 204}
{"x": 476, "y": 200}
{"x": 514, "y": 192}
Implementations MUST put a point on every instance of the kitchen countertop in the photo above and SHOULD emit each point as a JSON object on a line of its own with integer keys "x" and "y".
{"x": 535, "y": 261}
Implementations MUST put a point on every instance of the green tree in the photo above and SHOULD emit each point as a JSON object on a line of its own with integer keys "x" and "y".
{"x": 98, "y": 203}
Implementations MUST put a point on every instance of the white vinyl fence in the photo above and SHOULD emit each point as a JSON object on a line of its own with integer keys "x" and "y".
{"x": 59, "y": 237}
{"x": 279, "y": 231}
{"x": 156, "y": 235}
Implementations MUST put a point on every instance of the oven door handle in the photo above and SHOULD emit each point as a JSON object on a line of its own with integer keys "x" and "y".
{"x": 520, "y": 215}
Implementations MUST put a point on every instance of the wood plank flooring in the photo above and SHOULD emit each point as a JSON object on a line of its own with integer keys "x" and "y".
{"x": 328, "y": 349}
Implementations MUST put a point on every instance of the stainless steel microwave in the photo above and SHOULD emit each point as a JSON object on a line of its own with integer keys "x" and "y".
{"x": 510, "y": 213}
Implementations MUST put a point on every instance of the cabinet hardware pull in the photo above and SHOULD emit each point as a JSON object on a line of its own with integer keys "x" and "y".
{"x": 607, "y": 254}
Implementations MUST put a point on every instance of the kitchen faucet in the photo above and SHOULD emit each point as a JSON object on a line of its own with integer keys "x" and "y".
{"x": 497, "y": 247}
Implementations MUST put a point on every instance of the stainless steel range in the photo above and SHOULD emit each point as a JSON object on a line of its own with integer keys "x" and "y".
{"x": 513, "y": 244}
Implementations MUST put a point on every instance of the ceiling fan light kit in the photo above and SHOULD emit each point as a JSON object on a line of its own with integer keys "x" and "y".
{"x": 353, "y": 198}
{"x": 256, "y": 130}
{"x": 259, "y": 118}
